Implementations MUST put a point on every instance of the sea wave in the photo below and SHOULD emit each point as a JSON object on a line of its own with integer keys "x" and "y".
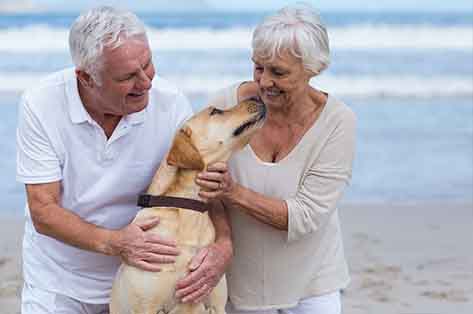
{"x": 355, "y": 86}
{"x": 44, "y": 38}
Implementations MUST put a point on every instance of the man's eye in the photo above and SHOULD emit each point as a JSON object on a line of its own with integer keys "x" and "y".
{"x": 127, "y": 78}
{"x": 216, "y": 111}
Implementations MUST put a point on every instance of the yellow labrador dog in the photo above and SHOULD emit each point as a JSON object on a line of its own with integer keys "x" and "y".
{"x": 211, "y": 135}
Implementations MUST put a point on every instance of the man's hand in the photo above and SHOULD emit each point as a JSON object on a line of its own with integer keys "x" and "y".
{"x": 143, "y": 250}
{"x": 205, "y": 271}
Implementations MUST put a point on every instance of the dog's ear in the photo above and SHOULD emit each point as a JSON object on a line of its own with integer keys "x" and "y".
{"x": 183, "y": 153}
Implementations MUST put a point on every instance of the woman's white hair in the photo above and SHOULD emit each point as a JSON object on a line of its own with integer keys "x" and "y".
{"x": 298, "y": 30}
{"x": 98, "y": 28}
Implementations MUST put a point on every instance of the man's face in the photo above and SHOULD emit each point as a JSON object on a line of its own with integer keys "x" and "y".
{"x": 125, "y": 78}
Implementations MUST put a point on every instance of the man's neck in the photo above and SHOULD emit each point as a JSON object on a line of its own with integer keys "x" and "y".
{"x": 107, "y": 122}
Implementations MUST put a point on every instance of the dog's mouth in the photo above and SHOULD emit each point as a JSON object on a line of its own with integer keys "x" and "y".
{"x": 254, "y": 121}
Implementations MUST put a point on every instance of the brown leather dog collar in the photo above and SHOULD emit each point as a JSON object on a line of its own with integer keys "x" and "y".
{"x": 147, "y": 200}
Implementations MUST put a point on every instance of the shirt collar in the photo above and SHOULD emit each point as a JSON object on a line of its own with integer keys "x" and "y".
{"x": 136, "y": 117}
{"x": 77, "y": 112}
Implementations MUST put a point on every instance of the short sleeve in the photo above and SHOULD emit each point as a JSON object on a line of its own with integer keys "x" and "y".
{"x": 224, "y": 98}
{"x": 36, "y": 160}
{"x": 324, "y": 182}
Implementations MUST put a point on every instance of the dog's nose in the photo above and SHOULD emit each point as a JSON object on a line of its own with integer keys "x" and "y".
{"x": 252, "y": 107}
{"x": 255, "y": 105}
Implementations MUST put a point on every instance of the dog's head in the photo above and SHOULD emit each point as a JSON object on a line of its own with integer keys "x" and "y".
{"x": 213, "y": 135}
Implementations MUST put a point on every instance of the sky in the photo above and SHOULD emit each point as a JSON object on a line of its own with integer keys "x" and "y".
{"x": 268, "y": 5}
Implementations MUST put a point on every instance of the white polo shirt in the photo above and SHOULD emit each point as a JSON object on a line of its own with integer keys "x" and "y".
{"x": 57, "y": 140}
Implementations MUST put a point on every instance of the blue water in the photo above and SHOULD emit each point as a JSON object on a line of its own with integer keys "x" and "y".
{"x": 220, "y": 20}
{"x": 410, "y": 84}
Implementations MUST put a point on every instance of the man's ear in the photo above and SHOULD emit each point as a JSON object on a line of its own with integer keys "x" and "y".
{"x": 84, "y": 78}
{"x": 183, "y": 153}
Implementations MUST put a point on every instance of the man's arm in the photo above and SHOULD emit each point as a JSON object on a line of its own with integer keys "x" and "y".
{"x": 131, "y": 243}
{"x": 209, "y": 264}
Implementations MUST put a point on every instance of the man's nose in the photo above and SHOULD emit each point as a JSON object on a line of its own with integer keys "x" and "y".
{"x": 144, "y": 81}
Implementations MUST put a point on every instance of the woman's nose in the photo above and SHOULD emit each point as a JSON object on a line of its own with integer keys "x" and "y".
{"x": 265, "y": 79}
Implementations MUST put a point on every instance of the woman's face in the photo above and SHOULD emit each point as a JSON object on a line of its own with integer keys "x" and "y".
{"x": 281, "y": 81}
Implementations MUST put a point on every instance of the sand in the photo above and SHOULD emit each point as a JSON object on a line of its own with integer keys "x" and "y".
{"x": 409, "y": 259}
{"x": 11, "y": 232}
{"x": 404, "y": 259}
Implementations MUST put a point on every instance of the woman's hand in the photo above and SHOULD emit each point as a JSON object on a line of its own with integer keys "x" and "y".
{"x": 205, "y": 271}
{"x": 216, "y": 182}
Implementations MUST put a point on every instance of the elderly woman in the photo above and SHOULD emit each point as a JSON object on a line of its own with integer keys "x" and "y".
{"x": 282, "y": 190}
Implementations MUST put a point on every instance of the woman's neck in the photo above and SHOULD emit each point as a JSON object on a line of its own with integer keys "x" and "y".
{"x": 298, "y": 112}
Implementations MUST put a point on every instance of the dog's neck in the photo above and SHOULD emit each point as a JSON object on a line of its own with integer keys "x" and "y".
{"x": 195, "y": 228}
{"x": 173, "y": 181}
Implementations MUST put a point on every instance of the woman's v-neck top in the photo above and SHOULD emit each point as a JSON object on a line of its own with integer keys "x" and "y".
{"x": 272, "y": 268}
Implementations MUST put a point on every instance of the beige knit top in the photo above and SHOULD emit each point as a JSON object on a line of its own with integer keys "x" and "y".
{"x": 273, "y": 268}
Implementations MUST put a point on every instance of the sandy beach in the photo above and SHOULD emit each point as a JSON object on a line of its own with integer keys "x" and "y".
{"x": 404, "y": 259}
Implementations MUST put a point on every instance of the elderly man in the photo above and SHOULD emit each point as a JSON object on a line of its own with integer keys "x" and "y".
{"x": 89, "y": 140}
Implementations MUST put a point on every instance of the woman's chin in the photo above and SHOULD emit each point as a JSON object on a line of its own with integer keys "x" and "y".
{"x": 272, "y": 102}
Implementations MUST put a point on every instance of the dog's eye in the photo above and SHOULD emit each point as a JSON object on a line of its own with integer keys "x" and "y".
{"x": 216, "y": 111}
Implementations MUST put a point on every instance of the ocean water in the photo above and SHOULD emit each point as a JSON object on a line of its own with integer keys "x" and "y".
{"x": 407, "y": 76}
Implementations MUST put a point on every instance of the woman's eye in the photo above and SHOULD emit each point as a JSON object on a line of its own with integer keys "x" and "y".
{"x": 278, "y": 72}
{"x": 216, "y": 111}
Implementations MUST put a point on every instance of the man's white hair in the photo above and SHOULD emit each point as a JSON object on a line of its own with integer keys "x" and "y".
{"x": 298, "y": 30}
{"x": 98, "y": 28}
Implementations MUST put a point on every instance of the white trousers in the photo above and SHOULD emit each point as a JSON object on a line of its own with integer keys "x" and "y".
{"x": 324, "y": 304}
{"x": 39, "y": 301}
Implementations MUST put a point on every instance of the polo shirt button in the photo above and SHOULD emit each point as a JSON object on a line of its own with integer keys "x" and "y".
{"x": 107, "y": 155}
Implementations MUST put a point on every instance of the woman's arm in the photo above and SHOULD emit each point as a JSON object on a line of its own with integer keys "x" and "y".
{"x": 322, "y": 186}
{"x": 218, "y": 182}
{"x": 209, "y": 264}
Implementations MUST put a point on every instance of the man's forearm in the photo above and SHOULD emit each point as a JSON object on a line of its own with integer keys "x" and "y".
{"x": 65, "y": 226}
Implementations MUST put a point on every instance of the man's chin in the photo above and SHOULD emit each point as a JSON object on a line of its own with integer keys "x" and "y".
{"x": 136, "y": 105}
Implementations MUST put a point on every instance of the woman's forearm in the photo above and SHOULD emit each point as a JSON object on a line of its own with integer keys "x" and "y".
{"x": 223, "y": 232}
{"x": 269, "y": 210}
